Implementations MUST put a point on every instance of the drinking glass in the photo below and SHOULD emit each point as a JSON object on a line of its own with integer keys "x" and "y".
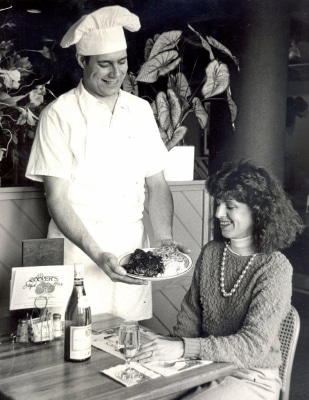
{"x": 128, "y": 344}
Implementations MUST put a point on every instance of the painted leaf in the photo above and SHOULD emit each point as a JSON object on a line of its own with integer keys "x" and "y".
{"x": 2, "y": 153}
{"x": 232, "y": 106}
{"x": 163, "y": 108}
{"x": 160, "y": 65}
{"x": 178, "y": 135}
{"x": 204, "y": 42}
{"x": 10, "y": 78}
{"x": 200, "y": 112}
{"x": 219, "y": 46}
{"x": 179, "y": 84}
{"x": 170, "y": 132}
{"x": 14, "y": 137}
{"x": 22, "y": 63}
{"x": 26, "y": 117}
{"x": 48, "y": 53}
{"x": 7, "y": 100}
{"x": 217, "y": 79}
{"x": 129, "y": 84}
{"x": 37, "y": 95}
{"x": 163, "y": 135}
{"x": 166, "y": 41}
{"x": 169, "y": 111}
{"x": 148, "y": 47}
{"x": 153, "y": 106}
{"x": 174, "y": 108}
{"x": 6, "y": 46}
{"x": 30, "y": 134}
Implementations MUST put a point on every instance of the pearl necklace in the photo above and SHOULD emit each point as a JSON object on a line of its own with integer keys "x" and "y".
{"x": 229, "y": 294}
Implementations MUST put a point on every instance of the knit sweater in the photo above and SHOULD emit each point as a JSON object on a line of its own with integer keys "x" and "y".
{"x": 243, "y": 328}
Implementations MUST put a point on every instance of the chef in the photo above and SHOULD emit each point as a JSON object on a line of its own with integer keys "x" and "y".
{"x": 96, "y": 148}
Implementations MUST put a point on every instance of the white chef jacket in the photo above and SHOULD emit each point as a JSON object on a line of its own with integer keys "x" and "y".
{"x": 107, "y": 157}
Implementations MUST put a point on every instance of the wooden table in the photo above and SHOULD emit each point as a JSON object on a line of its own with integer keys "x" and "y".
{"x": 39, "y": 372}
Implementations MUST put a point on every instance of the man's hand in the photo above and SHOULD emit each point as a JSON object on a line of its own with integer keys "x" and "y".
{"x": 108, "y": 262}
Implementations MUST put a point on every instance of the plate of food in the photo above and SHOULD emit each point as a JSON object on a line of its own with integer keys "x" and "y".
{"x": 154, "y": 264}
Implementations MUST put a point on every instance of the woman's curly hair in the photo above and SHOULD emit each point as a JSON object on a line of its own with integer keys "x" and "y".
{"x": 276, "y": 223}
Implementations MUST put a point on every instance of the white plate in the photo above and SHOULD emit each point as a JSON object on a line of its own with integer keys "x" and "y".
{"x": 124, "y": 259}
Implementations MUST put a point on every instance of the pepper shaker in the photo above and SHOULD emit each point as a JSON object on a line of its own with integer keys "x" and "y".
{"x": 22, "y": 331}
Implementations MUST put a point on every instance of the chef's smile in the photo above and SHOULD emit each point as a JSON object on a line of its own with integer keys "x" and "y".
{"x": 104, "y": 74}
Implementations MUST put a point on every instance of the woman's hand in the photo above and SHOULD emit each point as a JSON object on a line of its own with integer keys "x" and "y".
{"x": 161, "y": 349}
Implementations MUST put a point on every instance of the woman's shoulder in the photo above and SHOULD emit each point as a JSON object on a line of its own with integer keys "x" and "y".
{"x": 279, "y": 259}
{"x": 275, "y": 264}
{"x": 213, "y": 245}
{"x": 212, "y": 249}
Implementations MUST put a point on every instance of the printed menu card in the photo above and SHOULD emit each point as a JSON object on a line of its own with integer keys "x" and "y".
{"x": 41, "y": 286}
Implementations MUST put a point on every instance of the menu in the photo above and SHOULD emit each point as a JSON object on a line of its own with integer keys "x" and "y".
{"x": 41, "y": 286}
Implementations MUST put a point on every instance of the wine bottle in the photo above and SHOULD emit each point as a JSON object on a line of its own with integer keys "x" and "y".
{"x": 77, "y": 333}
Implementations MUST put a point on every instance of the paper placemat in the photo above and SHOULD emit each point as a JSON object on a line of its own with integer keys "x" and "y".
{"x": 168, "y": 368}
{"x": 143, "y": 376}
{"x": 107, "y": 340}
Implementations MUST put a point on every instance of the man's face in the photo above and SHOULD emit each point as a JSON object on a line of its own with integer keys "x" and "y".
{"x": 104, "y": 74}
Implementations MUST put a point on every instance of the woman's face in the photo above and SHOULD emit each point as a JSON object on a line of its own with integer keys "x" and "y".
{"x": 236, "y": 219}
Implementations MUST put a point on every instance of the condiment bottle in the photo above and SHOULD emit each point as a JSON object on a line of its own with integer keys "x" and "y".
{"x": 77, "y": 333}
{"x": 57, "y": 325}
{"x": 22, "y": 331}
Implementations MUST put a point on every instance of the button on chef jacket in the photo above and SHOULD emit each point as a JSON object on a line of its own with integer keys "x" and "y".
{"x": 107, "y": 158}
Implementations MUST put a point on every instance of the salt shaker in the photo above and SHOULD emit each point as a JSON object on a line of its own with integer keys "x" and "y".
{"x": 57, "y": 325}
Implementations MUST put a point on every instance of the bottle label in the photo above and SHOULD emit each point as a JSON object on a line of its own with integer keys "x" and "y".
{"x": 57, "y": 328}
{"x": 80, "y": 344}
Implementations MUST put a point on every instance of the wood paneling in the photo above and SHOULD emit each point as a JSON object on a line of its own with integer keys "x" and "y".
{"x": 167, "y": 298}
{"x": 192, "y": 228}
{"x": 191, "y": 215}
{"x": 23, "y": 215}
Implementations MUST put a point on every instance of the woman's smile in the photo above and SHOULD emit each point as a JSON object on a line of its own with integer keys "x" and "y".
{"x": 236, "y": 220}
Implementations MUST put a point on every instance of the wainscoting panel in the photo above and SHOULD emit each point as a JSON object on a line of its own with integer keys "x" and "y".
{"x": 192, "y": 228}
{"x": 23, "y": 215}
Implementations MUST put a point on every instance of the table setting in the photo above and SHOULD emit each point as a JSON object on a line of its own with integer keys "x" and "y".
{"x": 40, "y": 369}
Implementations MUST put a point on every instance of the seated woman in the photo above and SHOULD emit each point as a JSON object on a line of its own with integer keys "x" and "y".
{"x": 241, "y": 288}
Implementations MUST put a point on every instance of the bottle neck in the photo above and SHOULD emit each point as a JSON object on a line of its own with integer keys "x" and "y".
{"x": 78, "y": 282}
{"x": 79, "y": 288}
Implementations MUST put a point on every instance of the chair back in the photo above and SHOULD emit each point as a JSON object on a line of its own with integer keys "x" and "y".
{"x": 288, "y": 336}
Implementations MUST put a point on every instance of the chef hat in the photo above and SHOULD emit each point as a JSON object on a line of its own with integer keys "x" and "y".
{"x": 102, "y": 31}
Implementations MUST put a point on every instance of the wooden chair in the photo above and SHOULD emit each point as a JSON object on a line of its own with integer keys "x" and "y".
{"x": 288, "y": 336}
